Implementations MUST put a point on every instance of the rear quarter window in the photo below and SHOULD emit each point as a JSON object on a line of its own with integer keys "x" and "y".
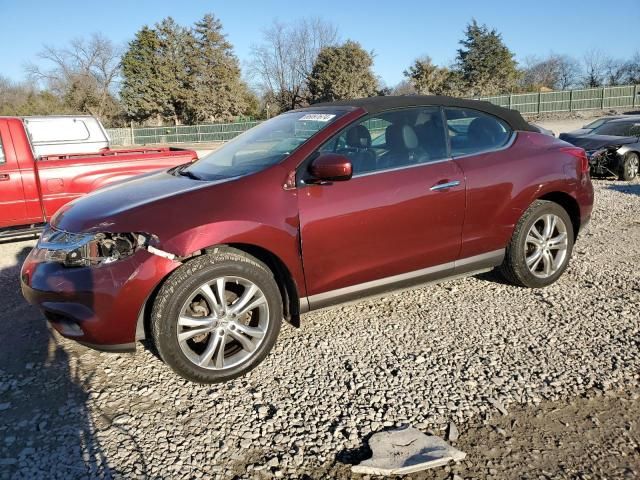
{"x": 57, "y": 130}
{"x": 2, "y": 158}
{"x": 471, "y": 131}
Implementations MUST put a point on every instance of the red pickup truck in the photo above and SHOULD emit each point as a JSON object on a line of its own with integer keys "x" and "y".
{"x": 33, "y": 188}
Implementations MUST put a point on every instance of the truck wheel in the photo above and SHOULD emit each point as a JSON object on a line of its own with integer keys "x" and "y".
{"x": 629, "y": 167}
{"x": 540, "y": 247}
{"x": 217, "y": 316}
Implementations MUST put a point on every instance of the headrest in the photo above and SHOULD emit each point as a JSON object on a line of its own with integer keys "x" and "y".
{"x": 401, "y": 137}
{"x": 358, "y": 137}
{"x": 484, "y": 130}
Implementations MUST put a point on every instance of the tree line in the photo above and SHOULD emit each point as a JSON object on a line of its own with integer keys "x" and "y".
{"x": 170, "y": 73}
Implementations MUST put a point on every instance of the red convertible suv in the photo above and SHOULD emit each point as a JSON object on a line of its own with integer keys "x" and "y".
{"x": 312, "y": 208}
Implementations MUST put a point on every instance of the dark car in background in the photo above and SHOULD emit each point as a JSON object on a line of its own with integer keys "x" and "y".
{"x": 613, "y": 148}
{"x": 591, "y": 126}
{"x": 313, "y": 208}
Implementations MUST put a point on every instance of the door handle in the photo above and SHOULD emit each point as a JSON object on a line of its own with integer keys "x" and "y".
{"x": 445, "y": 186}
{"x": 4, "y": 177}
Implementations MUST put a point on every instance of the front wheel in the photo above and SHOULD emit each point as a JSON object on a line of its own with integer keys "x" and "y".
{"x": 630, "y": 166}
{"x": 540, "y": 247}
{"x": 217, "y": 316}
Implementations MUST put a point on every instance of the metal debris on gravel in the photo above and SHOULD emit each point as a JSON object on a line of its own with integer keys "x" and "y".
{"x": 406, "y": 450}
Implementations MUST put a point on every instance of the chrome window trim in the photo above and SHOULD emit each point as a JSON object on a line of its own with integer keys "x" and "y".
{"x": 404, "y": 167}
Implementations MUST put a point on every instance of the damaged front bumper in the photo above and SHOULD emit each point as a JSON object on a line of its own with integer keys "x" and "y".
{"x": 604, "y": 161}
{"x": 99, "y": 305}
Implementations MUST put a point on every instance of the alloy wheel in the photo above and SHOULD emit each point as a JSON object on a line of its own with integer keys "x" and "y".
{"x": 222, "y": 323}
{"x": 632, "y": 166}
{"x": 546, "y": 245}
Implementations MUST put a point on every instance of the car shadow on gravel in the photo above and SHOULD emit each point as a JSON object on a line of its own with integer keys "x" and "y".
{"x": 629, "y": 188}
{"x": 492, "y": 276}
{"x": 45, "y": 427}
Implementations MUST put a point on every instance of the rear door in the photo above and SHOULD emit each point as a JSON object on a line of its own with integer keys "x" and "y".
{"x": 12, "y": 199}
{"x": 400, "y": 216}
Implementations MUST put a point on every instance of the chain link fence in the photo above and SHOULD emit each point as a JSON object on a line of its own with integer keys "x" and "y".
{"x": 627, "y": 96}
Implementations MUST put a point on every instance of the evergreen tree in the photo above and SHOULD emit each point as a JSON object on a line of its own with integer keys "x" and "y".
{"x": 342, "y": 72}
{"x": 143, "y": 90}
{"x": 427, "y": 78}
{"x": 217, "y": 91}
{"x": 174, "y": 66}
{"x": 485, "y": 64}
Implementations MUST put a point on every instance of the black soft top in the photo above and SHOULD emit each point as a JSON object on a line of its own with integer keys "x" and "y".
{"x": 375, "y": 105}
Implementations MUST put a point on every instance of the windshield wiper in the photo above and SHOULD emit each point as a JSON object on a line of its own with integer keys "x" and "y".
{"x": 188, "y": 173}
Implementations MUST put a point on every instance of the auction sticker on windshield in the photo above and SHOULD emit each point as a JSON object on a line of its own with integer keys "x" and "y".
{"x": 318, "y": 117}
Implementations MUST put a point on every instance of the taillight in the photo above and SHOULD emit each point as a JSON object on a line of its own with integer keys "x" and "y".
{"x": 581, "y": 155}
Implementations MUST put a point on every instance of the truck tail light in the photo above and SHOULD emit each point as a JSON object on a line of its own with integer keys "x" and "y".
{"x": 581, "y": 155}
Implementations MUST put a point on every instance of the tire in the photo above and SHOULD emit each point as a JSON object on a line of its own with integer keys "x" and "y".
{"x": 218, "y": 340}
{"x": 521, "y": 265}
{"x": 629, "y": 167}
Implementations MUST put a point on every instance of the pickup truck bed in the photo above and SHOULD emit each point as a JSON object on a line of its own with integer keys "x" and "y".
{"x": 32, "y": 190}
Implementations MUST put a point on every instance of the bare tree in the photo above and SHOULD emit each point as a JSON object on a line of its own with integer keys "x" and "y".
{"x": 284, "y": 59}
{"x": 23, "y": 98}
{"x": 594, "y": 63}
{"x": 632, "y": 72}
{"x": 615, "y": 71}
{"x": 569, "y": 72}
{"x": 558, "y": 72}
{"x": 84, "y": 73}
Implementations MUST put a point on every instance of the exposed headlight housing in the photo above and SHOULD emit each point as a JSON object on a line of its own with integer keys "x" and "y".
{"x": 89, "y": 249}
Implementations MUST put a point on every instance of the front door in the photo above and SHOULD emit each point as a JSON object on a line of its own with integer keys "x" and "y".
{"x": 398, "y": 220}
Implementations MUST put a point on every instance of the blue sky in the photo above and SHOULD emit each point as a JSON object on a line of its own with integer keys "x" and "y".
{"x": 397, "y": 31}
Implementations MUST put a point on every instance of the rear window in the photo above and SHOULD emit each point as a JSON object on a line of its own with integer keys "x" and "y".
{"x": 471, "y": 131}
{"x": 57, "y": 130}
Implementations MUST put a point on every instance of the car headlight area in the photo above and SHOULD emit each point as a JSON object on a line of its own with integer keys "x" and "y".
{"x": 93, "y": 286}
{"x": 88, "y": 249}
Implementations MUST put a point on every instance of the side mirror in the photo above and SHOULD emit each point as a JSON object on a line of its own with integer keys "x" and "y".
{"x": 331, "y": 167}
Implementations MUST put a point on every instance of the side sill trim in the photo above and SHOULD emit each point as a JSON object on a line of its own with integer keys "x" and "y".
{"x": 114, "y": 348}
{"x": 445, "y": 271}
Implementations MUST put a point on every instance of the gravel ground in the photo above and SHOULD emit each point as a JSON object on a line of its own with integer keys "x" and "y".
{"x": 456, "y": 352}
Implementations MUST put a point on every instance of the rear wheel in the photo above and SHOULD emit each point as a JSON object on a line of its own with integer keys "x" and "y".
{"x": 630, "y": 166}
{"x": 540, "y": 247}
{"x": 217, "y": 316}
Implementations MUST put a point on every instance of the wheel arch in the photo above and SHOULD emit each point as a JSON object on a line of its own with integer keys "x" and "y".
{"x": 283, "y": 277}
{"x": 570, "y": 205}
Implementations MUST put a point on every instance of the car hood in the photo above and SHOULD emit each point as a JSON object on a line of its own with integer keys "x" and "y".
{"x": 101, "y": 209}
{"x": 594, "y": 142}
{"x": 579, "y": 131}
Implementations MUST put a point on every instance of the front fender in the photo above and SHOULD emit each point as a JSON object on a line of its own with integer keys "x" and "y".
{"x": 281, "y": 242}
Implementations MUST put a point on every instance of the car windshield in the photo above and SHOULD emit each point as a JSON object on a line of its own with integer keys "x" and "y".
{"x": 619, "y": 129}
{"x": 596, "y": 123}
{"x": 262, "y": 146}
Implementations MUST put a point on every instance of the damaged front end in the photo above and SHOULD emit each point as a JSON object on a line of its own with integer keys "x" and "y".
{"x": 92, "y": 249}
{"x": 605, "y": 161}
